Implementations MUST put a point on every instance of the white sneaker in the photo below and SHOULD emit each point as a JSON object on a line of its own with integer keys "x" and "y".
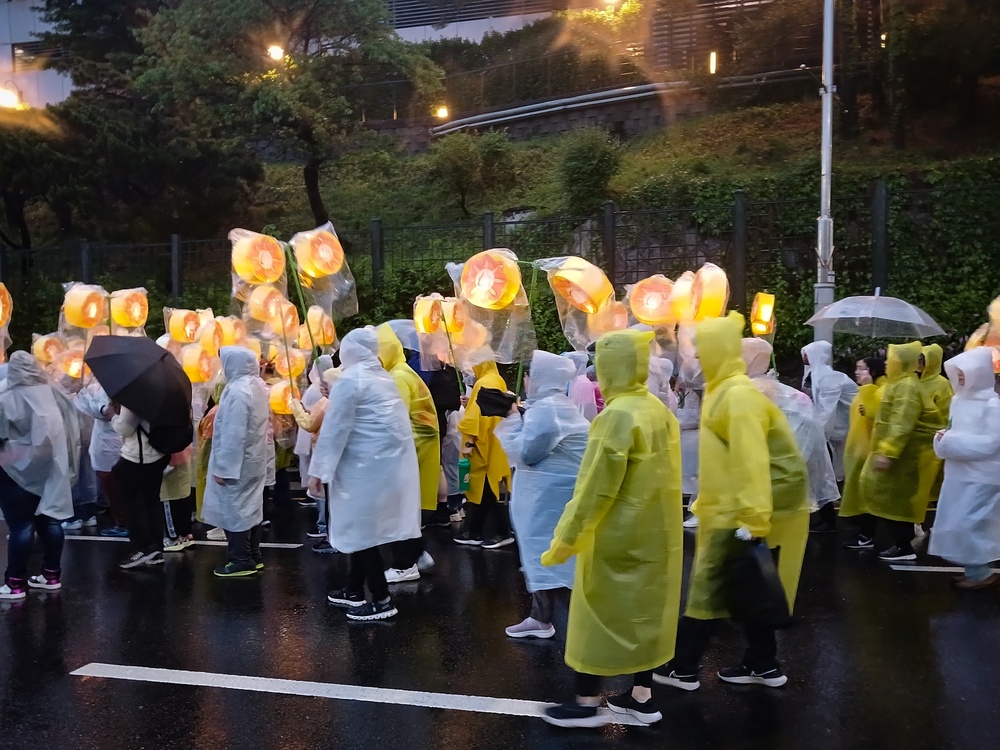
{"x": 72, "y": 525}
{"x": 90, "y": 523}
{"x": 691, "y": 522}
{"x": 531, "y": 628}
{"x": 425, "y": 563}
{"x": 216, "y": 535}
{"x": 6, "y": 592}
{"x": 395, "y": 575}
{"x": 41, "y": 582}
{"x": 177, "y": 545}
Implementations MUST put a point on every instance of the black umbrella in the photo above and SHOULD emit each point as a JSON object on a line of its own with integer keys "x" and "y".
{"x": 142, "y": 377}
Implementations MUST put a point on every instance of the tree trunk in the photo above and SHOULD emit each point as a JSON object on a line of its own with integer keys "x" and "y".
{"x": 310, "y": 173}
{"x": 13, "y": 207}
{"x": 64, "y": 216}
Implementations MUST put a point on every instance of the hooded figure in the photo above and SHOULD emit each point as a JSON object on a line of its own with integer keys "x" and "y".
{"x": 546, "y": 446}
{"x": 582, "y": 391}
{"x": 832, "y": 393}
{"x": 660, "y": 372}
{"x": 967, "y": 527}
{"x": 310, "y": 401}
{"x": 36, "y": 438}
{"x": 365, "y": 453}
{"x": 858, "y": 446}
{"x": 937, "y": 393}
{"x": 417, "y": 399}
{"x": 239, "y": 447}
{"x": 624, "y": 523}
{"x": 801, "y": 416}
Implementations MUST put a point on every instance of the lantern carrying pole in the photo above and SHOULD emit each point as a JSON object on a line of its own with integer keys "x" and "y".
{"x": 531, "y": 304}
{"x": 302, "y": 300}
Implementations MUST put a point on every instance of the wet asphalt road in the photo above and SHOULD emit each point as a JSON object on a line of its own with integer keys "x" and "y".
{"x": 877, "y": 659}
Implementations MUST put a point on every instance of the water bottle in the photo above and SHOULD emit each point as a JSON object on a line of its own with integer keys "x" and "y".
{"x": 464, "y": 470}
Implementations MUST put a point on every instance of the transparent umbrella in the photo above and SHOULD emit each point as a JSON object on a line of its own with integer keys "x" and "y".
{"x": 877, "y": 317}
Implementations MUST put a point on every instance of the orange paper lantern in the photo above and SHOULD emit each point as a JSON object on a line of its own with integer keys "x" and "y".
{"x": 321, "y": 326}
{"x": 427, "y": 313}
{"x": 234, "y": 331}
{"x": 291, "y": 364}
{"x": 281, "y": 397}
{"x": 613, "y": 316}
{"x": 286, "y": 322}
{"x": 762, "y": 314}
{"x": 6, "y": 305}
{"x": 165, "y": 342}
{"x": 490, "y": 280}
{"x": 253, "y": 345}
{"x": 454, "y": 314}
{"x": 264, "y": 304}
{"x": 47, "y": 348}
{"x": 320, "y": 254}
{"x": 258, "y": 259}
{"x": 472, "y": 336}
{"x": 210, "y": 337}
{"x": 183, "y": 326}
{"x": 681, "y": 298}
{"x": 650, "y": 301}
{"x": 71, "y": 363}
{"x": 129, "y": 308}
{"x": 710, "y": 293}
{"x": 197, "y": 363}
{"x": 585, "y": 286}
{"x": 83, "y": 306}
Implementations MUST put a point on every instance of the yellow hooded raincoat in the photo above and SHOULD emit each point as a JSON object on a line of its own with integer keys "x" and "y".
{"x": 894, "y": 494}
{"x": 858, "y": 446}
{"x": 751, "y": 474}
{"x": 624, "y": 523}
{"x": 423, "y": 415}
{"x": 937, "y": 393}
{"x": 488, "y": 461}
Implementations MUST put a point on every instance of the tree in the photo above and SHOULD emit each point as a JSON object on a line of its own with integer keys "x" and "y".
{"x": 590, "y": 161}
{"x": 465, "y": 166}
{"x": 211, "y": 61}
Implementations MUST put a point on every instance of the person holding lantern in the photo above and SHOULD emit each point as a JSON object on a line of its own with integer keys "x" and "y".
{"x": 937, "y": 390}
{"x": 309, "y": 417}
{"x": 105, "y": 449}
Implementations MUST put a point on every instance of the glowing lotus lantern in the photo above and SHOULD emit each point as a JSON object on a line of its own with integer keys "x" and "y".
{"x": 6, "y": 306}
{"x": 710, "y": 293}
{"x": 490, "y": 280}
{"x": 197, "y": 363}
{"x": 321, "y": 325}
{"x": 582, "y": 284}
{"x": 319, "y": 254}
{"x": 129, "y": 308}
{"x": 47, "y": 348}
{"x": 613, "y": 316}
{"x": 472, "y": 336}
{"x": 210, "y": 337}
{"x": 234, "y": 331}
{"x": 762, "y": 314}
{"x": 286, "y": 322}
{"x": 650, "y": 301}
{"x": 83, "y": 306}
{"x": 682, "y": 298}
{"x": 258, "y": 259}
{"x": 183, "y": 326}
{"x": 281, "y": 397}
{"x": 71, "y": 362}
{"x": 165, "y": 342}
{"x": 253, "y": 345}
{"x": 264, "y": 304}
{"x": 101, "y": 331}
{"x": 427, "y": 313}
{"x": 454, "y": 314}
{"x": 291, "y": 364}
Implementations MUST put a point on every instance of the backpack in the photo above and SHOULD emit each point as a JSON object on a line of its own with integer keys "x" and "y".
{"x": 170, "y": 439}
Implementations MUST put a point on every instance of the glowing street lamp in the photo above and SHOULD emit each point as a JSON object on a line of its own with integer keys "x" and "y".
{"x": 441, "y": 112}
{"x": 10, "y": 97}
{"x": 713, "y": 63}
{"x": 276, "y": 52}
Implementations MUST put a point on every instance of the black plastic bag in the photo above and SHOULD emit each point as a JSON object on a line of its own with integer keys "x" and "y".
{"x": 495, "y": 403}
{"x": 754, "y": 591}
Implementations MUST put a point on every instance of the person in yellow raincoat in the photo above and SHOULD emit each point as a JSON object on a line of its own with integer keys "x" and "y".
{"x": 624, "y": 524}
{"x": 870, "y": 376}
{"x": 938, "y": 392}
{"x": 891, "y": 479}
{"x": 752, "y": 484}
{"x": 489, "y": 471}
{"x": 424, "y": 421}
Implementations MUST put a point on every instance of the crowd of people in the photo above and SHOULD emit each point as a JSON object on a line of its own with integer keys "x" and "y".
{"x": 586, "y": 475}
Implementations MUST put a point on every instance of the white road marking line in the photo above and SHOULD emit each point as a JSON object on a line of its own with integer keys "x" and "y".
{"x": 928, "y": 568}
{"x": 203, "y": 543}
{"x": 473, "y": 703}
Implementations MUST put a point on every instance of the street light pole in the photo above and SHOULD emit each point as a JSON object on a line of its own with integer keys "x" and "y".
{"x": 824, "y": 241}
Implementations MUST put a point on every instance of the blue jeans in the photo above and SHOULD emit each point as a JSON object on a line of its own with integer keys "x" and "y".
{"x": 19, "y": 508}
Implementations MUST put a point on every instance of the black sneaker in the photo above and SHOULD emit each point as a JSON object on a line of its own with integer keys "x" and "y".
{"x": 439, "y": 519}
{"x": 324, "y": 548}
{"x": 861, "y": 542}
{"x": 773, "y": 678}
{"x": 266, "y": 523}
{"x": 573, "y": 715}
{"x": 368, "y": 611}
{"x": 307, "y": 503}
{"x": 627, "y": 704}
{"x": 666, "y": 675}
{"x": 315, "y": 533}
{"x": 235, "y": 570}
{"x": 823, "y": 527}
{"x": 468, "y": 540}
{"x": 258, "y": 564}
{"x": 497, "y": 542}
{"x": 345, "y": 598}
{"x": 895, "y": 554}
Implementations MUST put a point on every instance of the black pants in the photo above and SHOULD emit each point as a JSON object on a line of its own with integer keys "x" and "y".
{"x": 544, "y": 603}
{"x": 490, "y": 518}
{"x": 901, "y": 532}
{"x": 244, "y": 546}
{"x": 178, "y": 516}
{"x": 364, "y": 567}
{"x": 405, "y": 554}
{"x": 589, "y": 685}
{"x": 693, "y": 637}
{"x": 139, "y": 491}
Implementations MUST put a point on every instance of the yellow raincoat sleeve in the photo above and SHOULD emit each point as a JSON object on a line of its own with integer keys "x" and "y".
{"x": 749, "y": 467}
{"x": 899, "y": 412}
{"x": 597, "y": 486}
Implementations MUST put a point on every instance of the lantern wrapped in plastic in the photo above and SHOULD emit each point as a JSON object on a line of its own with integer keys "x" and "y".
{"x": 46, "y": 348}
{"x": 649, "y": 301}
{"x": 197, "y": 363}
{"x": 182, "y": 325}
{"x": 6, "y": 306}
{"x": 682, "y": 301}
{"x": 286, "y": 323}
{"x": 281, "y": 396}
{"x": 988, "y": 334}
{"x": 105, "y": 331}
{"x": 323, "y": 272}
{"x": 129, "y": 308}
{"x": 257, "y": 258}
{"x": 85, "y": 305}
{"x": 166, "y": 342}
{"x": 580, "y": 283}
{"x": 320, "y": 325}
{"x": 613, "y": 316}
{"x": 290, "y": 363}
{"x": 491, "y": 279}
{"x": 264, "y": 304}
{"x": 209, "y": 336}
{"x": 689, "y": 374}
{"x": 427, "y": 313}
{"x": 253, "y": 345}
{"x": 762, "y": 314}
{"x": 70, "y": 362}
{"x": 234, "y": 330}
{"x": 454, "y": 314}
{"x": 710, "y": 293}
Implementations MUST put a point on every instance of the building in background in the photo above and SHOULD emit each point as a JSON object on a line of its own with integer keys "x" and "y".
{"x": 24, "y": 81}
{"x": 423, "y": 20}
